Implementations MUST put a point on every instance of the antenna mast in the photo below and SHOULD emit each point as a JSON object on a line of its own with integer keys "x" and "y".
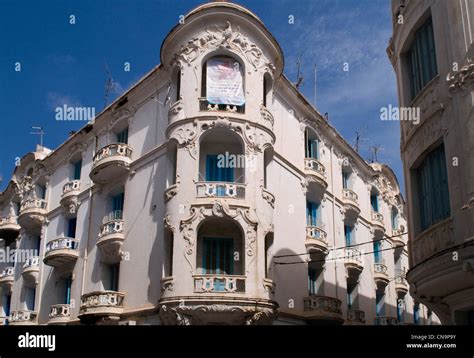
{"x": 375, "y": 149}
{"x": 40, "y": 133}
{"x": 299, "y": 77}
{"x": 315, "y": 83}
{"x": 109, "y": 85}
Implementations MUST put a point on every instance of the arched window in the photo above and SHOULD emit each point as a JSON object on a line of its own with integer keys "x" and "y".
{"x": 267, "y": 159}
{"x": 374, "y": 200}
{"x": 172, "y": 154}
{"x": 176, "y": 84}
{"x": 268, "y": 252}
{"x": 222, "y": 84}
{"x": 220, "y": 249}
{"x": 267, "y": 85}
{"x": 394, "y": 218}
{"x": 311, "y": 145}
{"x": 168, "y": 250}
{"x": 346, "y": 177}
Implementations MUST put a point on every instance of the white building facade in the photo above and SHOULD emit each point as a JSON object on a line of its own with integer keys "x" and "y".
{"x": 211, "y": 192}
{"x": 432, "y": 52}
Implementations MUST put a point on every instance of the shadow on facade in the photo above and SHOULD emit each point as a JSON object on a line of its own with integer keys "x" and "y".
{"x": 318, "y": 291}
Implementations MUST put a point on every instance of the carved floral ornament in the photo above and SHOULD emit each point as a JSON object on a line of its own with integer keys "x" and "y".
{"x": 459, "y": 80}
{"x": 226, "y": 37}
{"x": 219, "y": 209}
{"x": 195, "y": 314}
{"x": 187, "y": 134}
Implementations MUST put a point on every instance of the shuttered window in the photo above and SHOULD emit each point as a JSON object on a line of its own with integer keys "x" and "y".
{"x": 312, "y": 213}
{"x": 348, "y": 235}
{"x": 218, "y": 256}
{"x": 422, "y": 58}
{"x": 433, "y": 192}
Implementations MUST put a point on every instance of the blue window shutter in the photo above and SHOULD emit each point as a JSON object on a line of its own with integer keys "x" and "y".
{"x": 416, "y": 314}
{"x": 308, "y": 213}
{"x": 315, "y": 149}
{"x": 377, "y": 251}
{"x": 6, "y": 304}
{"x": 374, "y": 202}
{"x": 209, "y": 163}
{"x": 205, "y": 243}
{"x": 122, "y": 137}
{"x": 77, "y": 170}
{"x": 314, "y": 214}
{"x": 71, "y": 230}
{"x": 215, "y": 173}
{"x": 117, "y": 206}
{"x": 306, "y": 144}
{"x": 67, "y": 297}
{"x": 345, "y": 180}
{"x": 347, "y": 234}
{"x": 312, "y": 281}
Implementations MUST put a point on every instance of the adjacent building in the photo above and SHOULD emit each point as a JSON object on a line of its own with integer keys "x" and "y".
{"x": 432, "y": 53}
{"x": 211, "y": 192}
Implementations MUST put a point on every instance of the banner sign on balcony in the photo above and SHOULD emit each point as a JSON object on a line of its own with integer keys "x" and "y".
{"x": 224, "y": 83}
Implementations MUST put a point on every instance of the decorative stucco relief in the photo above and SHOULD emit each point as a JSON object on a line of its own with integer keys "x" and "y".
{"x": 187, "y": 134}
{"x": 218, "y": 208}
{"x": 216, "y": 37}
{"x": 461, "y": 79}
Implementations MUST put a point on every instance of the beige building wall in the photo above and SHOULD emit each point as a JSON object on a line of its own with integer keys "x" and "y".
{"x": 442, "y": 254}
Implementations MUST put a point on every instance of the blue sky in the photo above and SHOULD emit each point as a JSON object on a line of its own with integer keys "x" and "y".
{"x": 65, "y": 64}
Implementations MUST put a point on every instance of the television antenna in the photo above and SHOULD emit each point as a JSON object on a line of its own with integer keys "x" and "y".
{"x": 167, "y": 98}
{"x": 299, "y": 76}
{"x": 315, "y": 83}
{"x": 110, "y": 85}
{"x": 359, "y": 140}
{"x": 39, "y": 132}
{"x": 375, "y": 149}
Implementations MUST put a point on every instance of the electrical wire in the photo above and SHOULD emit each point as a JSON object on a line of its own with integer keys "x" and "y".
{"x": 344, "y": 247}
{"x": 334, "y": 258}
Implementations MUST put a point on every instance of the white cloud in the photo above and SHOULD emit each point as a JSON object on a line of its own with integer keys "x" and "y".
{"x": 55, "y": 99}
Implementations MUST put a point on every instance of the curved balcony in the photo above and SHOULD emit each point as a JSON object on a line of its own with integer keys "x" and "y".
{"x": 32, "y": 213}
{"x": 323, "y": 309}
{"x": 350, "y": 203}
{"x": 61, "y": 251}
{"x": 397, "y": 237}
{"x": 221, "y": 284}
{"x": 111, "y": 162}
{"x": 110, "y": 240}
{"x": 316, "y": 240}
{"x": 7, "y": 278}
{"x": 23, "y": 318}
{"x": 220, "y": 190}
{"x": 30, "y": 270}
{"x": 101, "y": 304}
{"x": 355, "y": 317}
{"x": 385, "y": 321}
{"x": 9, "y": 228}
{"x": 353, "y": 262}
{"x": 59, "y": 314}
{"x": 205, "y": 106}
{"x": 380, "y": 275}
{"x": 216, "y": 308}
{"x": 401, "y": 284}
{"x": 377, "y": 223}
{"x": 316, "y": 170}
{"x": 69, "y": 196}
